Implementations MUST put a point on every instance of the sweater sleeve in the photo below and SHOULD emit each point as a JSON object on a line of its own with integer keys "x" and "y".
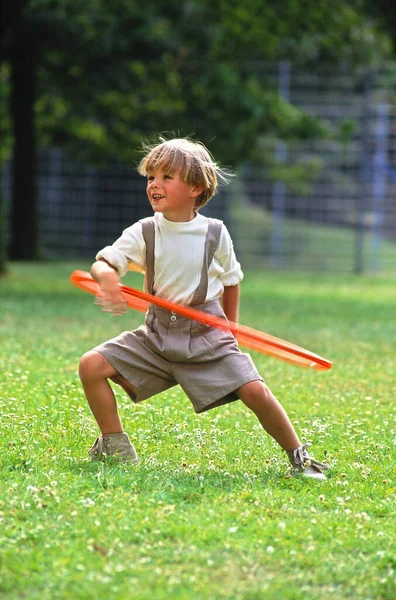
{"x": 225, "y": 255}
{"x": 128, "y": 249}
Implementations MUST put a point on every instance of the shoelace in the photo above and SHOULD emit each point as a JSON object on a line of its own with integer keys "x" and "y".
{"x": 96, "y": 447}
{"x": 101, "y": 444}
{"x": 300, "y": 459}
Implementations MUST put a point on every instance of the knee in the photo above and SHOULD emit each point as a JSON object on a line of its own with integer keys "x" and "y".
{"x": 92, "y": 365}
{"x": 86, "y": 365}
{"x": 254, "y": 394}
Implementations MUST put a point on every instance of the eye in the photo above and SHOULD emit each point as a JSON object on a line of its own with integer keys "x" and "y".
{"x": 168, "y": 177}
{"x": 150, "y": 178}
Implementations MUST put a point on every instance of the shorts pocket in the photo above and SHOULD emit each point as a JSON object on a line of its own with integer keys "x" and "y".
{"x": 199, "y": 339}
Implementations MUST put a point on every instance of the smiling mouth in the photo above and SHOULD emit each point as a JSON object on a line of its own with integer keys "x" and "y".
{"x": 157, "y": 197}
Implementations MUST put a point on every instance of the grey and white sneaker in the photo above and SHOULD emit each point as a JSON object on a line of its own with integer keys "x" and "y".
{"x": 303, "y": 463}
{"x": 113, "y": 445}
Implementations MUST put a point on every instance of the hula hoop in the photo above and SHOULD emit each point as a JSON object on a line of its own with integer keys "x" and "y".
{"x": 246, "y": 336}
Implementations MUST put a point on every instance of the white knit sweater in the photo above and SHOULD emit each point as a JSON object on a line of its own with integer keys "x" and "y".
{"x": 179, "y": 252}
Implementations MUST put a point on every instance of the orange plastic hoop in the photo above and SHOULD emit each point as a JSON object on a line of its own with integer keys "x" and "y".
{"x": 246, "y": 336}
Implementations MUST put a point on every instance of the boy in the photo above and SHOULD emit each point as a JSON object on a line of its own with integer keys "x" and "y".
{"x": 189, "y": 259}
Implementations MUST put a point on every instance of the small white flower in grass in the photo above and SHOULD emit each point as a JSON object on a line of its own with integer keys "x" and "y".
{"x": 270, "y": 549}
{"x": 32, "y": 488}
{"x": 233, "y": 529}
{"x": 120, "y": 568}
{"x": 282, "y": 525}
{"x": 87, "y": 502}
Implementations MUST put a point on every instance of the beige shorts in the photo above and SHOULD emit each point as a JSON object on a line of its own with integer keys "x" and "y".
{"x": 169, "y": 350}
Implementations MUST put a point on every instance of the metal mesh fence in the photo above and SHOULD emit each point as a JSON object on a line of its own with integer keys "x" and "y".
{"x": 327, "y": 204}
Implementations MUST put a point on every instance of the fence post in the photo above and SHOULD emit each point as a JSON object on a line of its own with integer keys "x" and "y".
{"x": 364, "y": 173}
{"x": 380, "y": 164}
{"x": 279, "y": 191}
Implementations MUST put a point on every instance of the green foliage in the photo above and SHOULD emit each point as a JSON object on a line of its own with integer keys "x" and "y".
{"x": 347, "y": 129}
{"x": 298, "y": 176}
{"x": 210, "y": 512}
{"x": 384, "y": 13}
{"x": 111, "y": 73}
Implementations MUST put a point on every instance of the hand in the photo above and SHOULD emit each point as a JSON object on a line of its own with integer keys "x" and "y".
{"x": 110, "y": 297}
{"x": 117, "y": 306}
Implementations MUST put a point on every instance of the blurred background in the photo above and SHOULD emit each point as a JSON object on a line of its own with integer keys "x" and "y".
{"x": 298, "y": 98}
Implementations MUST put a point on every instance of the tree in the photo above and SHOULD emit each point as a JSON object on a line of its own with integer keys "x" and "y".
{"x": 384, "y": 13}
{"x": 97, "y": 76}
{"x": 37, "y": 38}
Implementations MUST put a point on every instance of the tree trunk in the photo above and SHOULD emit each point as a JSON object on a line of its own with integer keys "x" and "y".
{"x": 2, "y": 248}
{"x": 24, "y": 211}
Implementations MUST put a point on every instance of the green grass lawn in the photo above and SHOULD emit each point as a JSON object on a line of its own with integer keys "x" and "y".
{"x": 211, "y": 511}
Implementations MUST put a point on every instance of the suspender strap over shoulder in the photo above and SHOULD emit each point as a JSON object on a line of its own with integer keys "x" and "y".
{"x": 148, "y": 231}
{"x": 211, "y": 243}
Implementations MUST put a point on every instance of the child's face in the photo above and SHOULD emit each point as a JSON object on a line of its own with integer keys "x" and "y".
{"x": 170, "y": 195}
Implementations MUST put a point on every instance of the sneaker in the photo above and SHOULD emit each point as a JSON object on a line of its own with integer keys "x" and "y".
{"x": 114, "y": 445}
{"x": 302, "y": 463}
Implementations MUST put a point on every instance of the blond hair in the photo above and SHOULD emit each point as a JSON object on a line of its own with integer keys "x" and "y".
{"x": 191, "y": 159}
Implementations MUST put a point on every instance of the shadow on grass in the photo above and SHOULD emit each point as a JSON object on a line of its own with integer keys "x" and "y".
{"x": 179, "y": 485}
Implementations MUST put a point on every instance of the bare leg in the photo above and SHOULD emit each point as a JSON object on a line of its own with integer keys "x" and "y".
{"x": 94, "y": 371}
{"x": 271, "y": 414}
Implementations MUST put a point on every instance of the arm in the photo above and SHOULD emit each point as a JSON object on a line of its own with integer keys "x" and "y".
{"x": 230, "y": 302}
{"x": 110, "y": 297}
{"x": 112, "y": 263}
{"x": 231, "y": 277}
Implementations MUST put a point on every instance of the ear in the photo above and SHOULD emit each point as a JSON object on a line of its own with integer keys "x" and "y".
{"x": 196, "y": 191}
